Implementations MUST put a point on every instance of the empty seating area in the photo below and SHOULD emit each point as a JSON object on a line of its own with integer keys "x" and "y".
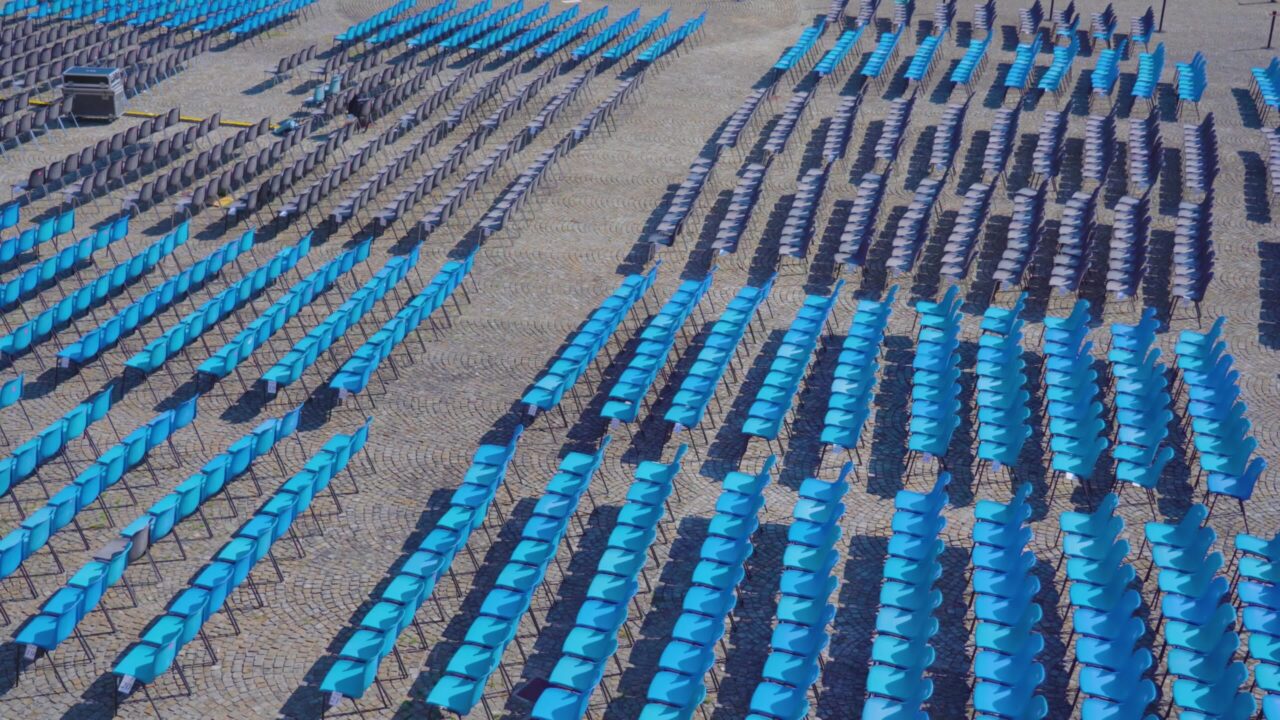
{"x": 529, "y": 359}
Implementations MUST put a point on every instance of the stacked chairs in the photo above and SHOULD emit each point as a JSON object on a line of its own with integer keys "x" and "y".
{"x": 1142, "y": 405}
{"x": 1073, "y": 395}
{"x": 1190, "y": 81}
{"x": 65, "y": 608}
{"x": 1030, "y": 18}
{"x": 1004, "y": 132}
{"x": 839, "y": 53}
{"x": 184, "y": 618}
{"x": 52, "y": 440}
{"x": 1127, "y": 258}
{"x": 89, "y": 295}
{"x": 699, "y": 385}
{"x": 921, "y": 67}
{"x": 737, "y": 219}
{"x": 1142, "y": 28}
{"x": 678, "y": 688}
{"x": 1144, "y": 151}
{"x": 535, "y": 34}
{"x": 1106, "y": 71}
{"x": 901, "y": 653}
{"x": 1022, "y": 238}
{"x": 894, "y": 130}
{"x": 1003, "y": 416}
{"x": 1265, "y": 87}
{"x": 1102, "y": 25}
{"x": 606, "y": 36}
{"x": 306, "y": 351}
{"x": 866, "y": 13}
{"x": 883, "y": 56}
{"x": 1150, "y": 68}
{"x": 797, "y": 230}
{"x": 395, "y": 31}
{"x": 798, "y": 52}
{"x": 172, "y": 341}
{"x": 580, "y": 352}
{"x": 1219, "y": 422}
{"x": 656, "y": 340}
{"x": 683, "y": 202}
{"x": 972, "y": 64}
{"x": 959, "y": 251}
{"x": 1113, "y": 667}
{"x": 355, "y": 373}
{"x": 594, "y": 637}
{"x": 164, "y": 296}
{"x": 1024, "y": 61}
{"x": 1199, "y": 621}
{"x": 637, "y": 38}
{"x": 1099, "y": 146}
{"x": 946, "y": 140}
{"x": 836, "y": 142}
{"x": 1075, "y": 242}
{"x": 1193, "y": 252}
{"x": 776, "y": 143}
{"x": 375, "y": 637}
{"x": 1200, "y": 155}
{"x": 500, "y": 34}
{"x": 984, "y": 17}
{"x": 935, "y": 376}
{"x": 224, "y": 360}
{"x": 359, "y": 30}
{"x": 1005, "y": 662}
{"x": 768, "y": 411}
{"x": 909, "y": 235}
{"x": 853, "y": 382}
{"x": 31, "y": 281}
{"x": 566, "y": 36}
{"x": 463, "y": 684}
{"x": 687, "y": 28}
{"x": 1258, "y": 576}
{"x": 1059, "y": 72}
{"x": 86, "y": 488}
{"x": 743, "y": 119}
{"x": 859, "y": 228}
{"x": 1046, "y": 161}
{"x": 800, "y": 637}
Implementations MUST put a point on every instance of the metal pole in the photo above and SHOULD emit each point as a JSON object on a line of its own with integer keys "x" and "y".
{"x": 1162, "y": 4}
{"x": 1271, "y": 33}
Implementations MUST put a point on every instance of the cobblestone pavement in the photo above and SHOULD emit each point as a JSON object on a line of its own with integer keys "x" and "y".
{"x": 452, "y": 389}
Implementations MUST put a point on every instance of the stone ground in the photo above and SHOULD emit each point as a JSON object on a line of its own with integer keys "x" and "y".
{"x": 460, "y": 387}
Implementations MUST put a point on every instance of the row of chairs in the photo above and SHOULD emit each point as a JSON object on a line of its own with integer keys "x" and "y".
{"x": 534, "y": 35}
{"x": 962, "y": 243}
{"x": 973, "y": 63}
{"x": 255, "y": 334}
{"x": 935, "y": 387}
{"x": 650, "y": 356}
{"x": 1110, "y": 651}
{"x": 1265, "y": 87}
{"x": 839, "y": 53}
{"x": 573, "y": 360}
{"x": 1193, "y": 251}
{"x": 1106, "y": 70}
{"x": 1141, "y": 405}
{"x": 1058, "y": 76}
{"x": 901, "y": 653}
{"x": 605, "y": 36}
{"x": 89, "y": 295}
{"x": 273, "y": 187}
{"x": 768, "y": 412}
{"x": 835, "y": 144}
{"x": 1099, "y": 146}
{"x": 1144, "y": 151}
{"x": 55, "y": 621}
{"x": 28, "y": 457}
{"x": 894, "y": 130}
{"x": 1191, "y": 81}
{"x": 798, "y": 228}
{"x": 408, "y": 587}
{"x": 685, "y": 199}
{"x": 946, "y": 139}
{"x": 186, "y": 614}
{"x": 859, "y": 228}
{"x": 289, "y": 368}
{"x": 504, "y": 32}
{"x": 1200, "y": 155}
{"x": 743, "y": 119}
{"x": 287, "y": 64}
{"x": 912, "y": 228}
{"x": 1019, "y": 73}
{"x": 637, "y": 38}
{"x": 853, "y": 381}
{"x": 1073, "y": 395}
{"x": 800, "y": 636}
{"x": 737, "y": 218}
{"x": 786, "y": 123}
{"x": 467, "y": 675}
{"x": 31, "y": 238}
{"x": 153, "y": 302}
{"x": 1046, "y": 160}
{"x": 1150, "y": 68}
{"x": 391, "y": 33}
{"x": 1004, "y": 131}
{"x": 663, "y": 45}
{"x": 358, "y": 31}
{"x": 677, "y": 687}
{"x": 141, "y": 78}
{"x": 720, "y": 347}
{"x": 922, "y": 66}
{"x": 882, "y": 56}
{"x": 482, "y": 26}
{"x": 355, "y": 373}
{"x": 562, "y": 38}
{"x": 1022, "y": 237}
{"x": 1102, "y": 25}
{"x": 1003, "y": 416}
{"x": 176, "y": 337}
{"x": 1256, "y": 582}
{"x": 1076, "y": 234}
{"x": 594, "y": 637}
{"x": 801, "y": 49}
{"x": 1130, "y": 236}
